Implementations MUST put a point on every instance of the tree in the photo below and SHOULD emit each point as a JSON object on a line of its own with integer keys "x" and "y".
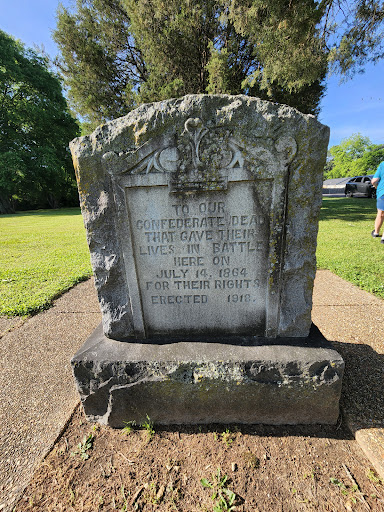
{"x": 354, "y": 156}
{"x": 359, "y": 37}
{"x": 371, "y": 158}
{"x": 116, "y": 54}
{"x": 35, "y": 128}
{"x": 100, "y": 62}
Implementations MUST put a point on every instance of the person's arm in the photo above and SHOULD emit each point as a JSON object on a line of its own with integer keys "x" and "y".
{"x": 375, "y": 182}
{"x": 376, "y": 177}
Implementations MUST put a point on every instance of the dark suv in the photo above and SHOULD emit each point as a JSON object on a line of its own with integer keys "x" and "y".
{"x": 361, "y": 185}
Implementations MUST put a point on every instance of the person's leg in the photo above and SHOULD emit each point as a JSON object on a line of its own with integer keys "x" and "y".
{"x": 379, "y": 217}
{"x": 379, "y": 221}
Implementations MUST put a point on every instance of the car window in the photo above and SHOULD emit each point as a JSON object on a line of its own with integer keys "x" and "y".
{"x": 358, "y": 180}
{"x": 367, "y": 180}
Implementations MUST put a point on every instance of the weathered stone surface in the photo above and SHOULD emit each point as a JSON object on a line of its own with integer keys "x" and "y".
{"x": 201, "y": 217}
{"x": 240, "y": 380}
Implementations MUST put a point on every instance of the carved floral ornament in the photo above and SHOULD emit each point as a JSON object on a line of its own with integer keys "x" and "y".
{"x": 200, "y": 149}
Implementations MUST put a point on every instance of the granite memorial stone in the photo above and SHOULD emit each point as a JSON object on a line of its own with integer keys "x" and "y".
{"x": 201, "y": 217}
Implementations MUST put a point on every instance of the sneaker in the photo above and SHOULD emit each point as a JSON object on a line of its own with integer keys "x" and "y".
{"x": 375, "y": 235}
{"x": 382, "y": 241}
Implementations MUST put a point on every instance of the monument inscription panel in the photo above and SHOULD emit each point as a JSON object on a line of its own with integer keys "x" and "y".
{"x": 201, "y": 216}
{"x": 202, "y": 261}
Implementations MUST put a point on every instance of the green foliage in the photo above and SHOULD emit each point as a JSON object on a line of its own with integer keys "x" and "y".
{"x": 35, "y": 128}
{"x": 149, "y": 427}
{"x": 101, "y": 64}
{"x": 174, "y": 38}
{"x": 227, "y": 437}
{"x": 129, "y": 426}
{"x": 374, "y": 477}
{"x": 359, "y": 37}
{"x": 223, "y": 497}
{"x": 42, "y": 254}
{"x": 116, "y": 54}
{"x": 346, "y": 491}
{"x": 85, "y": 445}
{"x": 354, "y": 156}
{"x": 371, "y": 158}
{"x": 286, "y": 37}
{"x": 345, "y": 245}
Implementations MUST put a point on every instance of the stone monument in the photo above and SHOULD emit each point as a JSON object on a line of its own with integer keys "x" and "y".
{"x": 201, "y": 216}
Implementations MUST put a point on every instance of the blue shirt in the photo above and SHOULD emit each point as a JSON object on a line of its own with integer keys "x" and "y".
{"x": 380, "y": 174}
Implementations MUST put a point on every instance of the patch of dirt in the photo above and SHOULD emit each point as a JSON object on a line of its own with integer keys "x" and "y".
{"x": 206, "y": 468}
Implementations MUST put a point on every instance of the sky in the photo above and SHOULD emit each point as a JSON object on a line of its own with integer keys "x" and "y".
{"x": 356, "y": 106}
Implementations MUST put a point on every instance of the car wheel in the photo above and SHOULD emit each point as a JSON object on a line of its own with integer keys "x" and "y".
{"x": 349, "y": 193}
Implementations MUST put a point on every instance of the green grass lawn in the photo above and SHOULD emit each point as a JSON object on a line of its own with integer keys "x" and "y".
{"x": 42, "y": 254}
{"x": 345, "y": 245}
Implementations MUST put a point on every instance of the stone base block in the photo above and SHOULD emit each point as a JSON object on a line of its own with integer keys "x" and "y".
{"x": 227, "y": 380}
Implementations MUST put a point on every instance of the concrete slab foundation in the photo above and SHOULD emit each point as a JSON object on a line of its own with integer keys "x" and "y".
{"x": 226, "y": 380}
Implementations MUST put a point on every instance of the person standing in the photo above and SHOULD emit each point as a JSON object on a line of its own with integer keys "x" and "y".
{"x": 378, "y": 183}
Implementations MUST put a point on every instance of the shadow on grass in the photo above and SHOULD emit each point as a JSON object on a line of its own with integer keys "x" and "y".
{"x": 45, "y": 213}
{"x": 354, "y": 209}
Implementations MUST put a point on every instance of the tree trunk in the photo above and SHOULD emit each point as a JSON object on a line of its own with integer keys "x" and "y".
{"x": 53, "y": 201}
{"x": 5, "y": 205}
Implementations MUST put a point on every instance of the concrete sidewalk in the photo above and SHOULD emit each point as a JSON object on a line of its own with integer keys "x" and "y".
{"x": 37, "y": 392}
{"x": 353, "y": 320}
{"x": 38, "y": 395}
